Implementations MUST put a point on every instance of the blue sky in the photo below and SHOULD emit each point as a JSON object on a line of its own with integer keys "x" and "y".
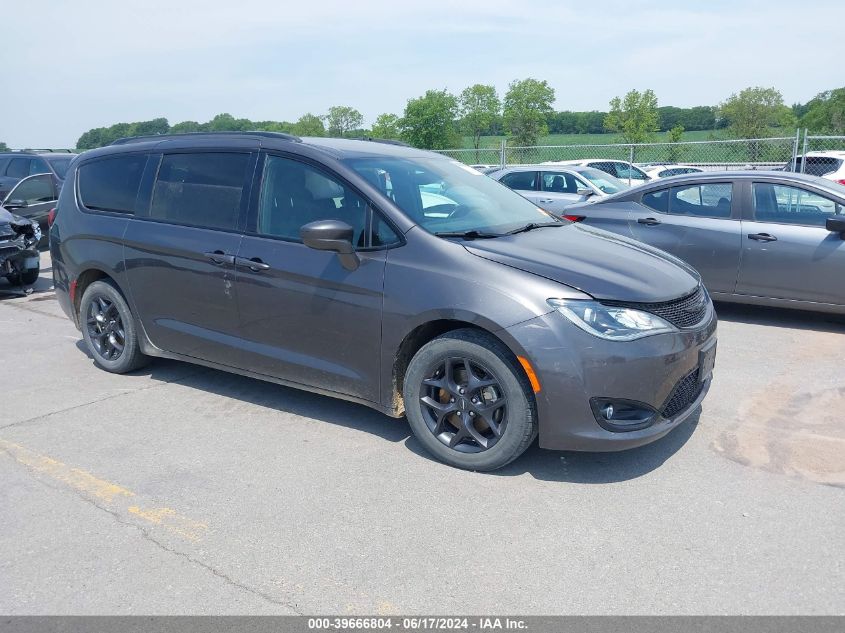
{"x": 98, "y": 63}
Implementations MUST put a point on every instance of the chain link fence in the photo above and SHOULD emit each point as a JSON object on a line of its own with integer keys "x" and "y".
{"x": 761, "y": 153}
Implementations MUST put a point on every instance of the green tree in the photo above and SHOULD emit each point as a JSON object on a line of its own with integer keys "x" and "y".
{"x": 386, "y": 127}
{"x": 826, "y": 112}
{"x": 479, "y": 106}
{"x": 309, "y": 125}
{"x": 634, "y": 117}
{"x": 225, "y": 122}
{"x": 342, "y": 119}
{"x": 429, "y": 121}
{"x": 527, "y": 106}
{"x": 752, "y": 112}
{"x": 187, "y": 126}
{"x": 148, "y": 128}
{"x": 675, "y": 135}
{"x": 3, "y": 146}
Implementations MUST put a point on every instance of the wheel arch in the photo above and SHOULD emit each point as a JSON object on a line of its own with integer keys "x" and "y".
{"x": 427, "y": 331}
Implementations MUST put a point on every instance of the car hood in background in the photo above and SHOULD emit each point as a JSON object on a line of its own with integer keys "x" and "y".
{"x": 601, "y": 264}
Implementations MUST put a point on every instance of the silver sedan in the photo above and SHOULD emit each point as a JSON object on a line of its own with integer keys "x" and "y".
{"x": 769, "y": 238}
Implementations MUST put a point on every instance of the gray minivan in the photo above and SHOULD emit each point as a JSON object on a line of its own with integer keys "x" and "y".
{"x": 315, "y": 263}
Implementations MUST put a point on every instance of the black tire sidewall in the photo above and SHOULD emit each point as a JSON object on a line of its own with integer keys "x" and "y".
{"x": 488, "y": 352}
{"x": 131, "y": 358}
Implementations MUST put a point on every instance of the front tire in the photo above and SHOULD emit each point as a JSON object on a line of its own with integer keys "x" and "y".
{"x": 108, "y": 328}
{"x": 468, "y": 401}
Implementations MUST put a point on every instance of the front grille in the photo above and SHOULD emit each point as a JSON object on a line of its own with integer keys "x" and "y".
{"x": 684, "y": 312}
{"x": 683, "y": 395}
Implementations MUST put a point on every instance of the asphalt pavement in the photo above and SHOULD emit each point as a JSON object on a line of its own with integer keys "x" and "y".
{"x": 185, "y": 490}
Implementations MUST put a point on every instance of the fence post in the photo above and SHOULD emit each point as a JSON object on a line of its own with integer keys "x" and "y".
{"x": 795, "y": 149}
{"x": 502, "y": 155}
{"x": 804, "y": 152}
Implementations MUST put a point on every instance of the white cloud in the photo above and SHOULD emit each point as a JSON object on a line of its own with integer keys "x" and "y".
{"x": 97, "y": 63}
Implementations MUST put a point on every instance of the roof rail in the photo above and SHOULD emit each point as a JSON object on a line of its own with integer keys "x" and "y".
{"x": 162, "y": 137}
{"x": 387, "y": 141}
{"x": 34, "y": 150}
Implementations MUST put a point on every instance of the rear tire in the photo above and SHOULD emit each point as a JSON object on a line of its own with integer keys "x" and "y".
{"x": 108, "y": 328}
{"x": 468, "y": 401}
{"x": 29, "y": 277}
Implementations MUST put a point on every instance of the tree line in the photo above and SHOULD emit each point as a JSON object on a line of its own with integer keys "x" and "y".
{"x": 440, "y": 119}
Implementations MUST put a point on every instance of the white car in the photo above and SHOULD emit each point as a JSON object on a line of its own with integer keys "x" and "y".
{"x": 827, "y": 164}
{"x": 621, "y": 169}
{"x": 664, "y": 170}
{"x": 555, "y": 188}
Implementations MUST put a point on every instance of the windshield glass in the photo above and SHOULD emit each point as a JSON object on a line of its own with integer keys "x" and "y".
{"x": 604, "y": 181}
{"x": 60, "y": 165}
{"x": 448, "y": 196}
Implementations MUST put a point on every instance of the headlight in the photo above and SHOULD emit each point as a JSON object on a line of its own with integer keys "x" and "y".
{"x": 611, "y": 323}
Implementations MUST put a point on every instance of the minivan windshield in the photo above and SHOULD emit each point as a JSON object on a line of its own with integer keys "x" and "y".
{"x": 445, "y": 196}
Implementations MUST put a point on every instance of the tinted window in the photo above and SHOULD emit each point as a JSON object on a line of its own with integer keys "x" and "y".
{"x": 791, "y": 205}
{"x": 18, "y": 168}
{"x": 657, "y": 200}
{"x": 60, "y": 165}
{"x": 34, "y": 190}
{"x": 604, "y": 181}
{"x": 38, "y": 166}
{"x": 625, "y": 171}
{"x": 524, "y": 180}
{"x": 203, "y": 189}
{"x": 294, "y": 194}
{"x": 608, "y": 168}
{"x": 709, "y": 201}
{"x": 111, "y": 184}
{"x": 383, "y": 234}
{"x": 560, "y": 182}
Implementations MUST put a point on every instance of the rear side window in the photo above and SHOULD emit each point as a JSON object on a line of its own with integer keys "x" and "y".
{"x": 523, "y": 180}
{"x": 821, "y": 165}
{"x": 709, "y": 201}
{"x": 657, "y": 200}
{"x": 18, "y": 167}
{"x": 111, "y": 184}
{"x": 203, "y": 189}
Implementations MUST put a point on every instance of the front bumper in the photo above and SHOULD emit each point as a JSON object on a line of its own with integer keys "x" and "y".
{"x": 574, "y": 366}
{"x": 18, "y": 256}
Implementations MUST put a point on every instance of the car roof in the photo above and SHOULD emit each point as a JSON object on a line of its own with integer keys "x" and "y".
{"x": 580, "y": 161}
{"x": 46, "y": 153}
{"x": 827, "y": 152}
{"x": 334, "y": 147}
{"x": 546, "y": 167}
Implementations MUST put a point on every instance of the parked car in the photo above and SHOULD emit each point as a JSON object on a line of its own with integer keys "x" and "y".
{"x": 621, "y": 169}
{"x": 20, "y": 261}
{"x": 664, "y": 170}
{"x": 17, "y": 165}
{"x": 827, "y": 164}
{"x": 313, "y": 263}
{"x": 555, "y": 188}
{"x": 33, "y": 198}
{"x": 770, "y": 238}
{"x": 485, "y": 168}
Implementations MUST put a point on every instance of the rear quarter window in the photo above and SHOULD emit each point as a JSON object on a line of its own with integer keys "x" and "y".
{"x": 111, "y": 184}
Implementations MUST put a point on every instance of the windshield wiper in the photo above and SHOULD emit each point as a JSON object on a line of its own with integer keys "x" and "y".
{"x": 534, "y": 225}
{"x": 473, "y": 234}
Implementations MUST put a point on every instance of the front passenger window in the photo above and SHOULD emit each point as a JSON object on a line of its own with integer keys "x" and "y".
{"x": 34, "y": 190}
{"x": 294, "y": 194}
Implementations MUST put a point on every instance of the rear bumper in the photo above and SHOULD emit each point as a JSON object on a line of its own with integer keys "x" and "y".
{"x": 574, "y": 367}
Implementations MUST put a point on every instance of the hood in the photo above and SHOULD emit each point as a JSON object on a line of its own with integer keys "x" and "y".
{"x": 601, "y": 264}
{"x": 13, "y": 224}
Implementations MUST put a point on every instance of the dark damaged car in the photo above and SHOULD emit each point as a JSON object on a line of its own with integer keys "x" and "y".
{"x": 20, "y": 261}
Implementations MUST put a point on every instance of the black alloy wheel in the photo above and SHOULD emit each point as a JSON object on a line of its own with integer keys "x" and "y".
{"x": 105, "y": 328}
{"x": 464, "y": 405}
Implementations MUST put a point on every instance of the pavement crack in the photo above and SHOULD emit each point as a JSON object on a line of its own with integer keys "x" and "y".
{"x": 43, "y": 416}
{"x": 146, "y": 535}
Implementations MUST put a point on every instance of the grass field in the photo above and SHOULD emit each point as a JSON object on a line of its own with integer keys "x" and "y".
{"x": 557, "y": 147}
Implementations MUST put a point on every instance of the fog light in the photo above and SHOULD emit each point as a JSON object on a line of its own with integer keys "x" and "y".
{"x": 619, "y": 415}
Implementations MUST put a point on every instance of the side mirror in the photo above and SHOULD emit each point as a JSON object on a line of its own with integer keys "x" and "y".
{"x": 836, "y": 225}
{"x": 331, "y": 235}
{"x": 15, "y": 204}
{"x": 585, "y": 192}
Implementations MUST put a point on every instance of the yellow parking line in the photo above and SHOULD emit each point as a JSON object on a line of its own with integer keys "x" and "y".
{"x": 108, "y": 495}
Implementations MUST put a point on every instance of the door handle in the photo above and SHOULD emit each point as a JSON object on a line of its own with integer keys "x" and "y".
{"x": 255, "y": 264}
{"x": 220, "y": 258}
{"x": 762, "y": 237}
{"x": 649, "y": 221}
{"x": 547, "y": 201}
